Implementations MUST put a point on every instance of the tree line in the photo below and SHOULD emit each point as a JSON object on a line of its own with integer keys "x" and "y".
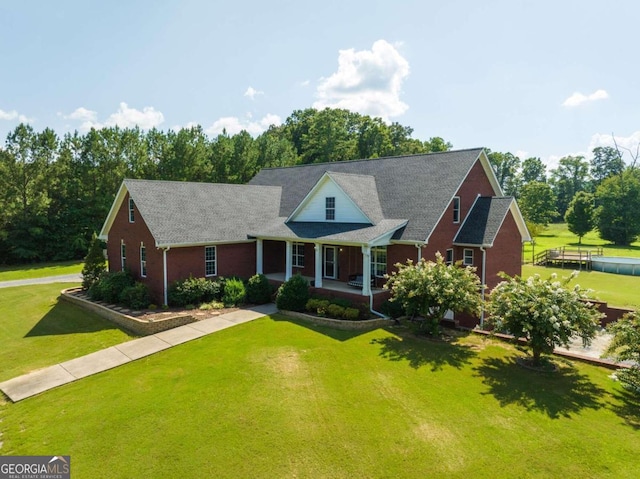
{"x": 55, "y": 192}
{"x": 602, "y": 194}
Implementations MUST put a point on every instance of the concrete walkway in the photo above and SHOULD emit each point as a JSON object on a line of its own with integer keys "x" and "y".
{"x": 64, "y": 278}
{"x": 42, "y": 380}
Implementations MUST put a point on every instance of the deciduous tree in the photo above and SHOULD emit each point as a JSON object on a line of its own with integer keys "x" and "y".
{"x": 625, "y": 346}
{"x": 618, "y": 200}
{"x": 580, "y": 216}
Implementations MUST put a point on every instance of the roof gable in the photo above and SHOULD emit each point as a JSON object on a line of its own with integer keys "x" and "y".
{"x": 417, "y": 187}
{"x": 356, "y": 200}
{"x": 185, "y": 213}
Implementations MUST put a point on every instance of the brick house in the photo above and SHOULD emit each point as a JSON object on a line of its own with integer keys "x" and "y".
{"x": 343, "y": 225}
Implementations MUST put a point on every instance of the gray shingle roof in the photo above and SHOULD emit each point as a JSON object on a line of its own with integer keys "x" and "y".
{"x": 340, "y": 232}
{"x": 363, "y": 191}
{"x": 184, "y": 213}
{"x": 418, "y": 187}
{"x": 483, "y": 221}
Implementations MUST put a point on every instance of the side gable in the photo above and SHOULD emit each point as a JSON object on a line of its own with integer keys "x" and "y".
{"x": 347, "y": 209}
{"x": 115, "y": 207}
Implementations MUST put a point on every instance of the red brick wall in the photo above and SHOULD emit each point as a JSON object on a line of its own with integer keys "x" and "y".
{"x": 506, "y": 253}
{"x": 237, "y": 259}
{"x": 273, "y": 256}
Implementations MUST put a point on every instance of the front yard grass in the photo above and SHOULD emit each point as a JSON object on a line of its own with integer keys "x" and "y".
{"x": 38, "y": 330}
{"x": 276, "y": 398}
{"x": 39, "y": 270}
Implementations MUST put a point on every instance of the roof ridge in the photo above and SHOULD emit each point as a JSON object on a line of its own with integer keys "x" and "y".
{"x": 203, "y": 183}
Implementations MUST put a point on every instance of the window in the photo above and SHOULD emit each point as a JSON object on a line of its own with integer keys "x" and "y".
{"x": 132, "y": 215}
{"x": 330, "y": 208}
{"x": 449, "y": 257}
{"x": 123, "y": 255}
{"x": 143, "y": 261}
{"x": 298, "y": 255}
{"x": 456, "y": 209}
{"x": 379, "y": 261}
{"x": 468, "y": 257}
{"x": 210, "y": 266}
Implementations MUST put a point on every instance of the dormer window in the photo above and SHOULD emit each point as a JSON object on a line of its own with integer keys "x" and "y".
{"x": 132, "y": 216}
{"x": 456, "y": 209}
{"x": 330, "y": 208}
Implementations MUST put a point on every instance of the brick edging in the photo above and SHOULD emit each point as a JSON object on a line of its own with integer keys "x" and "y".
{"x": 341, "y": 324}
{"x": 142, "y": 327}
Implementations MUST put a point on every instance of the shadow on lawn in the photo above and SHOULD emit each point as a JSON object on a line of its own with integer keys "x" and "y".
{"x": 424, "y": 352}
{"x": 557, "y": 394}
{"x": 628, "y": 408}
{"x": 66, "y": 318}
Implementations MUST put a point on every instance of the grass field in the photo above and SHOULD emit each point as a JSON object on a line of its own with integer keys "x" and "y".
{"x": 557, "y": 234}
{"x": 38, "y": 330}
{"x": 39, "y": 270}
{"x": 276, "y": 399}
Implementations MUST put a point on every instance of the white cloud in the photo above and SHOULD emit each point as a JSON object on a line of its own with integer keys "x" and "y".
{"x": 187, "y": 126}
{"x": 252, "y": 92}
{"x": 628, "y": 144}
{"x": 14, "y": 115}
{"x": 523, "y": 155}
{"x": 367, "y": 81}
{"x": 233, "y": 125}
{"x": 305, "y": 83}
{"x": 578, "y": 98}
{"x": 125, "y": 117}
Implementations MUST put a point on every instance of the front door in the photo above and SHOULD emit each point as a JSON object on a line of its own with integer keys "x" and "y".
{"x": 330, "y": 262}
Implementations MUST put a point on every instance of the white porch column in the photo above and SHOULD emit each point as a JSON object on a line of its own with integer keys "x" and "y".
{"x": 366, "y": 270}
{"x": 288, "y": 261}
{"x": 259, "y": 262}
{"x": 318, "y": 265}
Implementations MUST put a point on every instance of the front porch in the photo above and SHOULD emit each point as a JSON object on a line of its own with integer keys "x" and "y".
{"x": 336, "y": 289}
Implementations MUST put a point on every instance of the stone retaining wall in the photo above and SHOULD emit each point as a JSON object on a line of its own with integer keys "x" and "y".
{"x": 142, "y": 327}
{"x": 340, "y": 323}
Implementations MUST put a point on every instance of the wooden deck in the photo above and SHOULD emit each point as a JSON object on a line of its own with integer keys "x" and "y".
{"x": 567, "y": 257}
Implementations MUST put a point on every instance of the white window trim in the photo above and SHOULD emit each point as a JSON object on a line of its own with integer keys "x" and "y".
{"x": 214, "y": 261}
{"x": 375, "y": 262}
{"x": 132, "y": 215}
{"x": 297, "y": 255}
{"x": 465, "y": 262}
{"x": 328, "y": 209}
{"x": 456, "y": 209}
{"x": 123, "y": 255}
{"x": 143, "y": 262}
{"x": 446, "y": 260}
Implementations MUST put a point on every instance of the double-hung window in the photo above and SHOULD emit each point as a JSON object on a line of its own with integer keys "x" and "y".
{"x": 468, "y": 257}
{"x": 449, "y": 257}
{"x": 210, "y": 264}
{"x": 132, "y": 214}
{"x": 143, "y": 261}
{"x": 379, "y": 261}
{"x": 123, "y": 255}
{"x": 298, "y": 255}
{"x": 330, "y": 208}
{"x": 456, "y": 209}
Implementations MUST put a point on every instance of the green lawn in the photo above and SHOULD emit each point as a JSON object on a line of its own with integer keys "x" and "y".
{"x": 616, "y": 289}
{"x": 39, "y": 270}
{"x": 557, "y": 234}
{"x": 38, "y": 330}
{"x": 277, "y": 399}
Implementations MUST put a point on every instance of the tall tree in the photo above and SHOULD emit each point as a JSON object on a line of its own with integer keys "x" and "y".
{"x": 580, "y": 215}
{"x": 618, "y": 199}
{"x": 533, "y": 169}
{"x": 506, "y": 167}
{"x": 606, "y": 162}
{"x": 571, "y": 176}
{"x": 537, "y": 203}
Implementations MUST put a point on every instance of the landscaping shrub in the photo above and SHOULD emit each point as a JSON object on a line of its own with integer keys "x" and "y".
{"x": 393, "y": 309}
{"x": 94, "y": 264}
{"x": 234, "y": 292}
{"x": 293, "y": 294}
{"x": 351, "y": 314}
{"x": 110, "y": 286}
{"x": 258, "y": 289}
{"x": 317, "y": 306}
{"x": 193, "y": 291}
{"x": 345, "y": 303}
{"x": 335, "y": 311}
{"x": 136, "y": 296}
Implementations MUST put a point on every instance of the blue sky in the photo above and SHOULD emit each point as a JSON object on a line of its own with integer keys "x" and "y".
{"x": 538, "y": 78}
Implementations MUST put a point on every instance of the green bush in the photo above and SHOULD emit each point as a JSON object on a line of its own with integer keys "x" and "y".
{"x": 314, "y": 305}
{"x": 351, "y": 314}
{"x": 193, "y": 291}
{"x": 234, "y": 292}
{"x": 110, "y": 286}
{"x": 345, "y": 303}
{"x": 393, "y": 309}
{"x": 136, "y": 296}
{"x": 258, "y": 289}
{"x": 335, "y": 311}
{"x": 94, "y": 264}
{"x": 293, "y": 294}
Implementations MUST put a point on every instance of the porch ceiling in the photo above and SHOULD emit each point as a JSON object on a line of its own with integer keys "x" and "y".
{"x": 329, "y": 284}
